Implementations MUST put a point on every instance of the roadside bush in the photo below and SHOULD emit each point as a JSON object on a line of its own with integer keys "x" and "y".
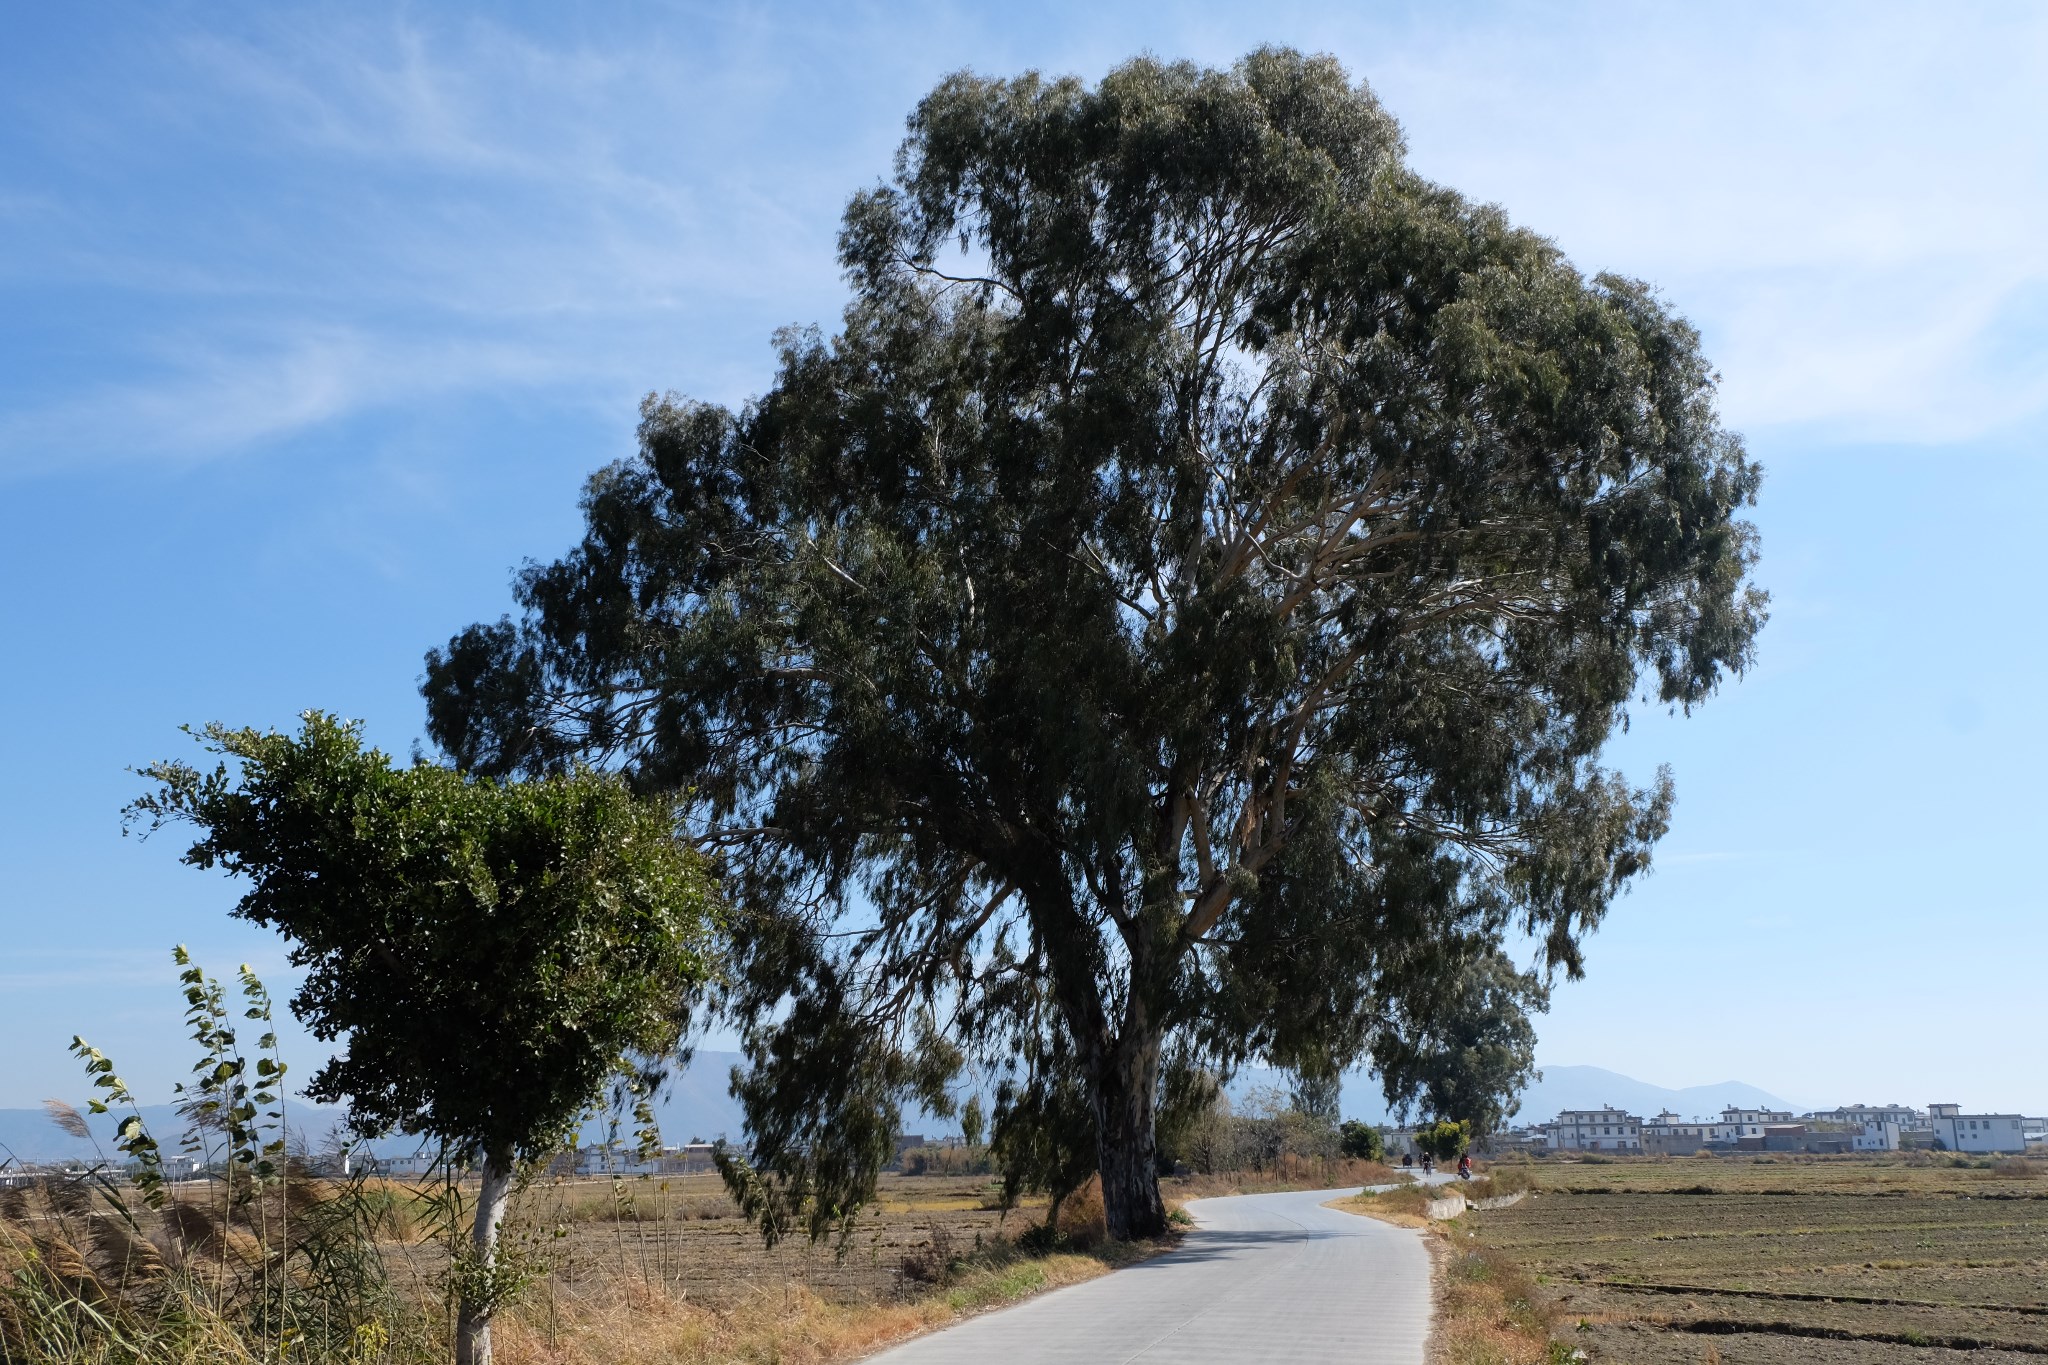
{"x": 262, "y": 1258}
{"x": 1445, "y": 1140}
{"x": 1360, "y": 1141}
{"x": 934, "y": 1262}
{"x": 1263, "y": 1133}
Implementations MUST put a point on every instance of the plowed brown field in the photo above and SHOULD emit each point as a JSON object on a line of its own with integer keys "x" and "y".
{"x": 1821, "y": 1260}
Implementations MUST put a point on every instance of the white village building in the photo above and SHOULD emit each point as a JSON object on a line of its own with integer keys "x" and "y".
{"x": 1596, "y": 1130}
{"x": 1749, "y": 1123}
{"x": 1855, "y": 1115}
{"x": 1960, "y": 1132}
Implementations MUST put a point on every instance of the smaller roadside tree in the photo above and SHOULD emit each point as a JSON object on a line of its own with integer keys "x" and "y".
{"x": 488, "y": 954}
{"x": 1360, "y": 1141}
{"x": 1469, "y": 1055}
{"x": 1446, "y": 1139}
{"x": 1317, "y": 1093}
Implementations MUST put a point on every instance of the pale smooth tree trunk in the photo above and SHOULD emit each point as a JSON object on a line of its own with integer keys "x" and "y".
{"x": 473, "y": 1318}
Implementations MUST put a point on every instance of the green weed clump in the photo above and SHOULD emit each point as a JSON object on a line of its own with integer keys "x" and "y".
{"x": 261, "y": 1261}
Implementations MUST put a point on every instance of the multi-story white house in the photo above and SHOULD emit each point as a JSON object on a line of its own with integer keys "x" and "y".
{"x": 690, "y": 1159}
{"x": 1596, "y": 1130}
{"x": 1960, "y": 1132}
{"x": 1749, "y": 1123}
{"x": 1669, "y": 1133}
{"x": 1856, "y": 1115}
{"x": 1877, "y": 1137}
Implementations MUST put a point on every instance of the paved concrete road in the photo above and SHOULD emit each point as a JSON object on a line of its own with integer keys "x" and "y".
{"x": 1262, "y": 1277}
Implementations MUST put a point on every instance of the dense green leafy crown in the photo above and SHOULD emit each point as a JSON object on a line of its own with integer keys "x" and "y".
{"x": 1469, "y": 1055}
{"x": 1188, "y": 597}
{"x": 489, "y": 954}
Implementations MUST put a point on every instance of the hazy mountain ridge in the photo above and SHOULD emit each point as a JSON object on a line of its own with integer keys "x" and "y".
{"x": 1591, "y": 1087}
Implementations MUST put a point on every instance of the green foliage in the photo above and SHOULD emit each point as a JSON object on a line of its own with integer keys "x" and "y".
{"x": 1471, "y": 1050}
{"x": 1191, "y": 1110}
{"x": 131, "y": 1135}
{"x": 1185, "y": 602}
{"x": 266, "y": 1261}
{"x": 1317, "y": 1093}
{"x": 1361, "y": 1141}
{"x": 1044, "y": 1138}
{"x": 487, "y": 953}
{"x": 1446, "y": 1139}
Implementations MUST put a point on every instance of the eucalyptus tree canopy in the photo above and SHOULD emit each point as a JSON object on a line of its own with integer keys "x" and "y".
{"x": 1186, "y": 599}
{"x": 488, "y": 955}
{"x": 1471, "y": 1051}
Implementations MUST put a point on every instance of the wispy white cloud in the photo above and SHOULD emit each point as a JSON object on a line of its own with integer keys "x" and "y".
{"x": 208, "y": 399}
{"x": 362, "y": 209}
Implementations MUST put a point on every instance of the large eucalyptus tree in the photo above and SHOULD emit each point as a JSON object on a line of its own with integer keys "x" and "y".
{"x": 1186, "y": 601}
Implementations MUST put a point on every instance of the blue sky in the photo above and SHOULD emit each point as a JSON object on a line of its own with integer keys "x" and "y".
{"x": 314, "y": 317}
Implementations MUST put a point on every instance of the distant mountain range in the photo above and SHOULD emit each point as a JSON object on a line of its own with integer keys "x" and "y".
{"x": 31, "y": 1135}
{"x": 695, "y": 1105}
{"x": 1590, "y": 1087}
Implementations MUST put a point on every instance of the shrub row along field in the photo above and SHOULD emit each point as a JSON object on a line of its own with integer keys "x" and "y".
{"x": 1783, "y": 1260}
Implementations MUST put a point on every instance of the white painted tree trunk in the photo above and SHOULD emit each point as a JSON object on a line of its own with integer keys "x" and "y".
{"x": 473, "y": 1320}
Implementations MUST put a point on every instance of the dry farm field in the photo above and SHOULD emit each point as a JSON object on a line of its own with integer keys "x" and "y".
{"x": 682, "y": 1232}
{"x": 1779, "y": 1259}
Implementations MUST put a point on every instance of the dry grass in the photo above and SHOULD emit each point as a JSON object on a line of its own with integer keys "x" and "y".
{"x": 666, "y": 1271}
{"x": 1488, "y": 1310}
{"x": 1084, "y": 1222}
{"x": 641, "y": 1272}
{"x": 632, "y": 1322}
{"x": 1405, "y": 1205}
{"x": 1499, "y": 1182}
{"x": 1289, "y": 1173}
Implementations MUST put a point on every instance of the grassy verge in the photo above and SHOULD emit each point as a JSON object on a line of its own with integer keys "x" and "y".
{"x": 1488, "y": 1309}
{"x": 1403, "y": 1205}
